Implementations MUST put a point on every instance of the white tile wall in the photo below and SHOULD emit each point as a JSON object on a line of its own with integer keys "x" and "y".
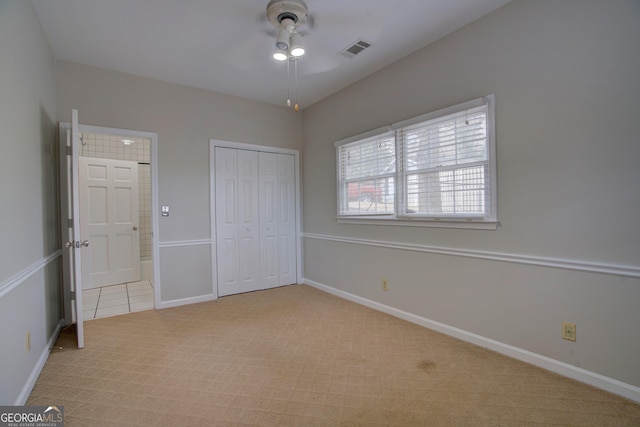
{"x": 144, "y": 206}
{"x": 112, "y": 147}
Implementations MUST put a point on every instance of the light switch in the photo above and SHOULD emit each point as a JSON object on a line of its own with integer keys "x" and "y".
{"x": 165, "y": 211}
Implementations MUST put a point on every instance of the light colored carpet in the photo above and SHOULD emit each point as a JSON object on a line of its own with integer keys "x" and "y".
{"x": 296, "y": 356}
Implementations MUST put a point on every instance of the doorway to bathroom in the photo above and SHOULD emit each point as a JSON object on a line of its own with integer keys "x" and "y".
{"x": 117, "y": 217}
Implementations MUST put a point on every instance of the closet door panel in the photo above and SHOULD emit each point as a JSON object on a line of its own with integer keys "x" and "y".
{"x": 287, "y": 219}
{"x": 248, "y": 223}
{"x": 227, "y": 221}
{"x": 255, "y": 211}
{"x": 268, "y": 199}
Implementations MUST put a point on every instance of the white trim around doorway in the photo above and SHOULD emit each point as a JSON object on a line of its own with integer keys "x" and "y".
{"x": 155, "y": 248}
{"x": 212, "y": 199}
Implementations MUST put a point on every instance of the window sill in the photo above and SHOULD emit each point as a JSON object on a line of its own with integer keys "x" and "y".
{"x": 420, "y": 222}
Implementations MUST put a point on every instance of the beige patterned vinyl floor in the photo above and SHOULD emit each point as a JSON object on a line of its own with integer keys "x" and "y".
{"x": 296, "y": 356}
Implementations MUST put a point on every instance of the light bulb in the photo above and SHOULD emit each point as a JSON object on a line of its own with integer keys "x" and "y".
{"x": 297, "y": 51}
{"x": 296, "y": 45}
{"x": 280, "y": 55}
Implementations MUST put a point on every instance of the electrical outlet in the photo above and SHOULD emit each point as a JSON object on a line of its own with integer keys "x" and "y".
{"x": 385, "y": 285}
{"x": 28, "y": 341}
{"x": 569, "y": 331}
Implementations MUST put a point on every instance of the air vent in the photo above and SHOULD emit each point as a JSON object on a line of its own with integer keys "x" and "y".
{"x": 355, "y": 48}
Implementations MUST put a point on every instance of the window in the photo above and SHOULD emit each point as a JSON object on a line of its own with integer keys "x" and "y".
{"x": 367, "y": 170}
{"x": 432, "y": 169}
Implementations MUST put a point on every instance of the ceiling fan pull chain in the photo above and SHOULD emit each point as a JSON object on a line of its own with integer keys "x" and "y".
{"x": 295, "y": 64}
{"x": 288, "y": 85}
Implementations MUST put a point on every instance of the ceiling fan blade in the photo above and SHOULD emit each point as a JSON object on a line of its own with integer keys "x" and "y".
{"x": 270, "y": 32}
{"x": 338, "y": 30}
{"x": 249, "y": 52}
{"x": 262, "y": 18}
{"x": 312, "y": 21}
{"x": 318, "y": 58}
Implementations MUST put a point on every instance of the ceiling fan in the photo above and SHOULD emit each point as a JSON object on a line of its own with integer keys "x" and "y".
{"x": 322, "y": 39}
{"x": 286, "y": 16}
{"x": 291, "y": 34}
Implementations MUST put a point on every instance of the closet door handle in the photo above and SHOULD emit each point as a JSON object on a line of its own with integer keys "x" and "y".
{"x": 135, "y": 228}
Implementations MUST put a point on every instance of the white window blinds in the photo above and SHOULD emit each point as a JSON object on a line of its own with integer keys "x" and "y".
{"x": 436, "y": 167}
{"x": 366, "y": 175}
{"x": 445, "y": 165}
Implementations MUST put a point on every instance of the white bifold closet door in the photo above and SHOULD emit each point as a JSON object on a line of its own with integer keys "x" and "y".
{"x": 277, "y": 219}
{"x": 255, "y": 220}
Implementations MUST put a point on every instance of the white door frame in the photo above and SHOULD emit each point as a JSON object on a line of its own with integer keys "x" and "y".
{"x": 70, "y": 227}
{"x": 213, "y": 143}
{"x": 153, "y": 137}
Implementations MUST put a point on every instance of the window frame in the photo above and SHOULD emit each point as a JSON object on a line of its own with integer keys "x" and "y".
{"x": 487, "y": 221}
{"x": 365, "y": 138}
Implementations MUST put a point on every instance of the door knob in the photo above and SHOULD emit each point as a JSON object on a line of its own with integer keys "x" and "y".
{"x": 69, "y": 244}
{"x": 84, "y": 243}
{"x": 135, "y": 228}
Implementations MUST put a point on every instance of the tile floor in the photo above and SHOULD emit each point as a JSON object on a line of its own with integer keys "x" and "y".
{"x": 117, "y": 299}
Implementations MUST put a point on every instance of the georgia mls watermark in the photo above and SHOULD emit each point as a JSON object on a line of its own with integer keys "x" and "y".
{"x": 31, "y": 416}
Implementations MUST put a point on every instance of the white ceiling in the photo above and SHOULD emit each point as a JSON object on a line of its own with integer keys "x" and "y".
{"x": 223, "y": 46}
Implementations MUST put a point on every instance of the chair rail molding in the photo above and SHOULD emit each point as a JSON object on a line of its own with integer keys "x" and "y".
{"x": 179, "y": 243}
{"x": 15, "y": 280}
{"x": 566, "y": 264}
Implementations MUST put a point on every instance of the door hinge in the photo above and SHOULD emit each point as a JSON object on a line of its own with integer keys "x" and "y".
{"x": 73, "y": 295}
{"x": 70, "y": 223}
{"x": 68, "y": 150}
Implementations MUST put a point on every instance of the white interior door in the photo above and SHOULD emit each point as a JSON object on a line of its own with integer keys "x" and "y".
{"x": 287, "y": 220}
{"x": 255, "y": 220}
{"x": 109, "y": 221}
{"x": 237, "y": 213}
{"x": 269, "y": 258}
{"x": 248, "y": 221}
{"x": 70, "y": 217}
{"x": 227, "y": 221}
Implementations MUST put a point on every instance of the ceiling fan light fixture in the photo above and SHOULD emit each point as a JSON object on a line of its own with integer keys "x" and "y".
{"x": 287, "y": 16}
{"x": 280, "y": 55}
{"x": 296, "y": 45}
{"x": 282, "y": 42}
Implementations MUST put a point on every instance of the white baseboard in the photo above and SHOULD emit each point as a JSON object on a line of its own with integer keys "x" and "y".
{"x": 600, "y": 381}
{"x": 35, "y": 373}
{"x": 185, "y": 301}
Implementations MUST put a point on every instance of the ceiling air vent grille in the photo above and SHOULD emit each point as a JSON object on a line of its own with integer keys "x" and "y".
{"x": 355, "y": 48}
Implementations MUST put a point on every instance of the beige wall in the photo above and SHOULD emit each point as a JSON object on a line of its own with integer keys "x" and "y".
{"x": 565, "y": 76}
{"x": 565, "y": 79}
{"x": 184, "y": 119}
{"x": 29, "y": 239}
